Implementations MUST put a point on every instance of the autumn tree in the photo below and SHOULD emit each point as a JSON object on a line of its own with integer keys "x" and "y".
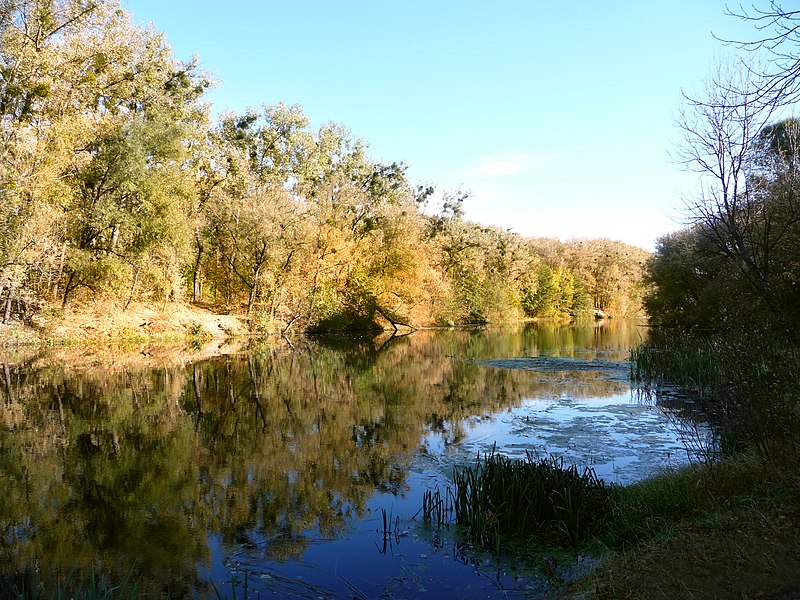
{"x": 115, "y": 184}
{"x": 252, "y": 219}
{"x": 95, "y": 115}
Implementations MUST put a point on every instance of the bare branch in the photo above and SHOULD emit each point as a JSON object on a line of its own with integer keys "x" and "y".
{"x": 779, "y": 37}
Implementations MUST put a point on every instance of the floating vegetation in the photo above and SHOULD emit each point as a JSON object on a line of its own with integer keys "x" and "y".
{"x": 501, "y": 499}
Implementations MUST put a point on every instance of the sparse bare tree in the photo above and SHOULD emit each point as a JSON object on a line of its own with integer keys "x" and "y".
{"x": 746, "y": 207}
{"x": 778, "y": 34}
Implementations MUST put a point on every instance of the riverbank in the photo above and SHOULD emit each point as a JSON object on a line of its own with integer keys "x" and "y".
{"x": 113, "y": 322}
{"x": 730, "y": 526}
{"x": 719, "y": 530}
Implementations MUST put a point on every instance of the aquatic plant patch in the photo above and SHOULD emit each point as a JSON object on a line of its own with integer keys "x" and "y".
{"x": 500, "y": 498}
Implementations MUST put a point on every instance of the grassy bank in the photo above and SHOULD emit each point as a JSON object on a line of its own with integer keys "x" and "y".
{"x": 728, "y": 528}
{"x": 724, "y": 530}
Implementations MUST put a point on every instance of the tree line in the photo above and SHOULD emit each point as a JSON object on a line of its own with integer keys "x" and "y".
{"x": 728, "y": 284}
{"x": 737, "y": 264}
{"x": 117, "y": 184}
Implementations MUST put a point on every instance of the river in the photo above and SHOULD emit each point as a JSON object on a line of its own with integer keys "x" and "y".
{"x": 298, "y": 470}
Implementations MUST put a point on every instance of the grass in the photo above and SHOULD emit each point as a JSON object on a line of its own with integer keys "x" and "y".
{"x": 653, "y": 507}
{"x": 688, "y": 361}
{"x": 437, "y": 510}
{"x": 742, "y": 554}
{"x": 501, "y": 499}
{"x": 729, "y": 529}
{"x": 76, "y": 586}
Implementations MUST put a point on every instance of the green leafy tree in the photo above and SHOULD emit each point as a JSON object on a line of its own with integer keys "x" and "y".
{"x": 95, "y": 112}
{"x": 681, "y": 280}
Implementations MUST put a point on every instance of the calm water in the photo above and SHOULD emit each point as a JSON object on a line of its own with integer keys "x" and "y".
{"x": 277, "y": 464}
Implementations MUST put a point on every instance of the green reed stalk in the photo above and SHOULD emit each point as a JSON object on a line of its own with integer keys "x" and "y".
{"x": 499, "y": 498}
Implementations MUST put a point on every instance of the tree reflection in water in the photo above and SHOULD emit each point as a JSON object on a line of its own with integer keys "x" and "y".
{"x": 117, "y": 467}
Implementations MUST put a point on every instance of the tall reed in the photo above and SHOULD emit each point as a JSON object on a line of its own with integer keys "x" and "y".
{"x": 746, "y": 379}
{"x": 688, "y": 361}
{"x": 500, "y": 498}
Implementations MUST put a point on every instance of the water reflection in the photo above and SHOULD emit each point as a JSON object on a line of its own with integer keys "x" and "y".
{"x": 109, "y": 465}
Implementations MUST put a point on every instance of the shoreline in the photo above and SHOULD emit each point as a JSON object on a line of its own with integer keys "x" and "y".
{"x": 143, "y": 322}
{"x": 109, "y": 323}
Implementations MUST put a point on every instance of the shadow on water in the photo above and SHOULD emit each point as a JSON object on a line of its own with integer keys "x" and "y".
{"x": 279, "y": 464}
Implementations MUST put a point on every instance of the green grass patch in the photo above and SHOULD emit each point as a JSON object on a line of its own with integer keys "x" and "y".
{"x": 500, "y": 499}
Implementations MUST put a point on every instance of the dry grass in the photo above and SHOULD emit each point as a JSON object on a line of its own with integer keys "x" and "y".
{"x": 104, "y": 321}
{"x": 750, "y": 552}
{"x": 740, "y": 540}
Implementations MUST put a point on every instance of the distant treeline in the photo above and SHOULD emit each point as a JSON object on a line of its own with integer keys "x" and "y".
{"x": 116, "y": 184}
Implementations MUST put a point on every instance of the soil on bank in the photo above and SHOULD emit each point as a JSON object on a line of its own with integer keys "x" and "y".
{"x": 110, "y": 321}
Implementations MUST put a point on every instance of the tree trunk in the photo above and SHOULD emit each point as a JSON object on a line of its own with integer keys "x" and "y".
{"x": 197, "y": 282}
{"x": 67, "y": 289}
{"x": 9, "y": 385}
{"x": 251, "y": 300}
{"x": 133, "y": 288}
{"x": 60, "y": 269}
{"x": 198, "y": 398}
{"x": 253, "y": 291}
{"x": 114, "y": 237}
{"x": 289, "y": 325}
{"x": 7, "y": 314}
{"x": 393, "y": 320}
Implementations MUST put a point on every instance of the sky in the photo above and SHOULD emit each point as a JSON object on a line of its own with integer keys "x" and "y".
{"x": 557, "y": 118}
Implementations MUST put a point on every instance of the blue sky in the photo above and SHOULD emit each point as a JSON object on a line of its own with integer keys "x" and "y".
{"x": 558, "y": 117}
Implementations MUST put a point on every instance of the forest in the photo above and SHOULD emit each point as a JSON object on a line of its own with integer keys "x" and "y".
{"x": 119, "y": 186}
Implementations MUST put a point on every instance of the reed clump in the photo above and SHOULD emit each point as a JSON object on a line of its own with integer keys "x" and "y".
{"x": 748, "y": 384}
{"x": 688, "y": 361}
{"x": 437, "y": 508}
{"x": 502, "y": 499}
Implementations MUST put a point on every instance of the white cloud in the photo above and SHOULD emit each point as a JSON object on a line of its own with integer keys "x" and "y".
{"x": 509, "y": 164}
